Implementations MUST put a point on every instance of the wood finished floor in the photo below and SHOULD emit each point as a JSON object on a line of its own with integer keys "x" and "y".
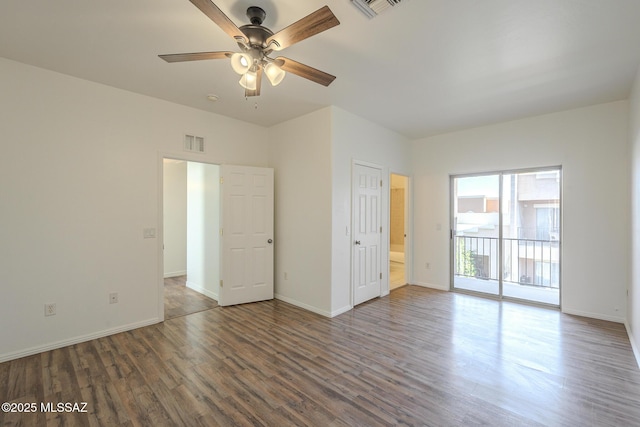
{"x": 415, "y": 357}
{"x": 181, "y": 301}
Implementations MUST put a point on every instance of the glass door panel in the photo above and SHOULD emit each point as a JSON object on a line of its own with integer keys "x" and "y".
{"x": 476, "y": 231}
{"x": 531, "y": 236}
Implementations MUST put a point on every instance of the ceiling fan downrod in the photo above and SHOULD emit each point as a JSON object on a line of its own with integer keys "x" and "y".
{"x": 256, "y": 15}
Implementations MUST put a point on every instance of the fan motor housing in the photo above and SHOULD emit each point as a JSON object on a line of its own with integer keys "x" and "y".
{"x": 255, "y": 32}
{"x": 257, "y": 36}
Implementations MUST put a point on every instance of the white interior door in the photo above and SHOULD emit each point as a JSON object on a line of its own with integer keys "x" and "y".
{"x": 247, "y": 234}
{"x": 366, "y": 182}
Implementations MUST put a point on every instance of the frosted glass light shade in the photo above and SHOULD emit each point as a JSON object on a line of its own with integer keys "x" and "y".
{"x": 248, "y": 80}
{"x": 241, "y": 62}
{"x": 274, "y": 73}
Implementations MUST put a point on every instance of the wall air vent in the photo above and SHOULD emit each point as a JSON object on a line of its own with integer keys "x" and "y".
{"x": 194, "y": 144}
{"x": 372, "y": 8}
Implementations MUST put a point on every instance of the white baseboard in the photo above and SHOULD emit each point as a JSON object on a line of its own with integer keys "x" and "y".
{"x": 599, "y": 316}
{"x": 76, "y": 340}
{"x": 175, "y": 274}
{"x": 202, "y": 290}
{"x": 342, "y": 310}
{"x": 310, "y": 307}
{"x": 634, "y": 345}
{"x": 432, "y": 286}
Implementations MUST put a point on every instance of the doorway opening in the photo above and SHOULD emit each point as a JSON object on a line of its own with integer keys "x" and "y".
{"x": 191, "y": 246}
{"x": 506, "y": 235}
{"x": 398, "y": 200}
{"x": 229, "y": 261}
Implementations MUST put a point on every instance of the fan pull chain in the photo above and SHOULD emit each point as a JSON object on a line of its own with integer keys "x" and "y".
{"x": 255, "y": 106}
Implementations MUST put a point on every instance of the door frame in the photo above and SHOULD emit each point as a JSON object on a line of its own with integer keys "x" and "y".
{"x": 408, "y": 228}
{"x": 187, "y": 157}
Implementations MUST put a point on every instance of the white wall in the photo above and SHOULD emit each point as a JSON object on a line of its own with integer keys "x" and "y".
{"x": 80, "y": 177}
{"x": 299, "y": 152}
{"x": 354, "y": 138}
{"x": 203, "y": 228}
{"x": 175, "y": 217}
{"x": 312, "y": 157}
{"x": 591, "y": 146}
{"x": 633, "y": 310}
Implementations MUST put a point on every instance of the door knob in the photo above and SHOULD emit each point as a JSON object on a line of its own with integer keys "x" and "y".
{"x": 270, "y": 241}
{"x": 357, "y": 242}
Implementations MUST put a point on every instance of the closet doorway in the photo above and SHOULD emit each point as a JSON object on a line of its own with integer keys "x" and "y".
{"x": 398, "y": 201}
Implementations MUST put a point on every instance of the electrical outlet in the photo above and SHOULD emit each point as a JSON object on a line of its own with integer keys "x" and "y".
{"x": 50, "y": 309}
{"x": 113, "y": 298}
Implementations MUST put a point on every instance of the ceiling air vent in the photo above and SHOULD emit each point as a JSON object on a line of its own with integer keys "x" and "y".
{"x": 194, "y": 143}
{"x": 372, "y": 8}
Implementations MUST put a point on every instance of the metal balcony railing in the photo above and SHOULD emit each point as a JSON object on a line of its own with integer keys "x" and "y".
{"x": 530, "y": 262}
{"x": 539, "y": 233}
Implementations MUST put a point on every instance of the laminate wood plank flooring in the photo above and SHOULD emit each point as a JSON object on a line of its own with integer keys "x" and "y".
{"x": 181, "y": 301}
{"x": 417, "y": 357}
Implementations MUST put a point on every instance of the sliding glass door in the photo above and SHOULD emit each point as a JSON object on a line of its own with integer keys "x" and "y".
{"x": 531, "y": 236}
{"x": 506, "y": 234}
{"x": 476, "y": 233}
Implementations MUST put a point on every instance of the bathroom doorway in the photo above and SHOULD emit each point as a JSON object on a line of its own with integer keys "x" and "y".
{"x": 398, "y": 201}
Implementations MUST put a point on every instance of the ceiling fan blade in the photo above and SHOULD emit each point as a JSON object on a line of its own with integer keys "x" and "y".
{"x": 216, "y": 15}
{"x": 196, "y": 56}
{"x": 256, "y": 92}
{"x": 319, "y": 21}
{"x": 310, "y": 73}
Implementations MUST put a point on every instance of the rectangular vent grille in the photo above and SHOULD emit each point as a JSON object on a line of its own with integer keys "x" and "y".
{"x": 194, "y": 143}
{"x": 372, "y": 8}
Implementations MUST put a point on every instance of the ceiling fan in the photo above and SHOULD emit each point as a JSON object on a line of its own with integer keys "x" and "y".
{"x": 257, "y": 42}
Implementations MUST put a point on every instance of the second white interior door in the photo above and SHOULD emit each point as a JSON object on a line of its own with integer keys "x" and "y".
{"x": 366, "y": 233}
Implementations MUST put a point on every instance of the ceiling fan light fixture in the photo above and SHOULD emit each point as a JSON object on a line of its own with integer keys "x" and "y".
{"x": 249, "y": 80}
{"x": 241, "y": 62}
{"x": 256, "y": 42}
{"x": 274, "y": 73}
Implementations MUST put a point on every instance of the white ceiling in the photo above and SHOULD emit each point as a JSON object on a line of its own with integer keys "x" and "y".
{"x": 422, "y": 68}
